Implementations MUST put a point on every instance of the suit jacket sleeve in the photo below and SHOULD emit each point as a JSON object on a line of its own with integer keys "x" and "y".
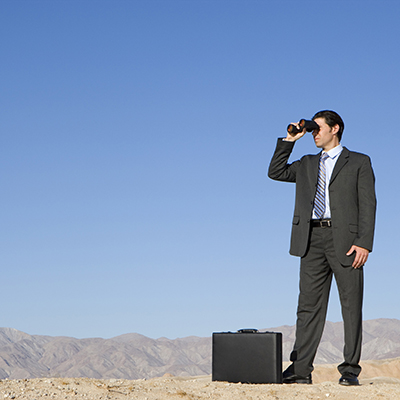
{"x": 366, "y": 205}
{"x": 279, "y": 169}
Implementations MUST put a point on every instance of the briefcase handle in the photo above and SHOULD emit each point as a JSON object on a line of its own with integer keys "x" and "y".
{"x": 248, "y": 330}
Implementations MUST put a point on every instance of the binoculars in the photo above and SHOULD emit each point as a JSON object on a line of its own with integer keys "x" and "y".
{"x": 308, "y": 125}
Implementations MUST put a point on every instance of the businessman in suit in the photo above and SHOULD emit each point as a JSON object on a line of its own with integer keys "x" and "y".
{"x": 332, "y": 232}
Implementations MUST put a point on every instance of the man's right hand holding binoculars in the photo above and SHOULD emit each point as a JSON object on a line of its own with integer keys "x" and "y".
{"x": 296, "y": 130}
{"x": 293, "y": 136}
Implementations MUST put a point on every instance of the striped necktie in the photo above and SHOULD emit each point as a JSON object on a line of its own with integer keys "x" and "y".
{"x": 319, "y": 201}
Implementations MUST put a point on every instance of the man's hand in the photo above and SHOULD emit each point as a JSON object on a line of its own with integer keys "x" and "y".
{"x": 361, "y": 256}
{"x": 297, "y": 136}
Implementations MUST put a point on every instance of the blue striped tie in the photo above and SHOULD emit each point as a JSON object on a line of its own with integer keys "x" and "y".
{"x": 319, "y": 201}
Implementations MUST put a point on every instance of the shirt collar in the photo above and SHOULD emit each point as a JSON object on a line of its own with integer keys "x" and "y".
{"x": 332, "y": 153}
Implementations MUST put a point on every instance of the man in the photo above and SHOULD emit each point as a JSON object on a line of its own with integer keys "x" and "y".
{"x": 332, "y": 232}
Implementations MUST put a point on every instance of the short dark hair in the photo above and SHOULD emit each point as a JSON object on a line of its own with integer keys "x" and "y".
{"x": 332, "y": 118}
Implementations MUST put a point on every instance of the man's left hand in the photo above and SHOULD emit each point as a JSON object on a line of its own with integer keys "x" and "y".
{"x": 361, "y": 256}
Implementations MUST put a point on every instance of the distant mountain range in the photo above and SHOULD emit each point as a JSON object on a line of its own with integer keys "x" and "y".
{"x": 134, "y": 356}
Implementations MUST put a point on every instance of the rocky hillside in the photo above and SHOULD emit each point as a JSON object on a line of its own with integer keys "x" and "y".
{"x": 134, "y": 356}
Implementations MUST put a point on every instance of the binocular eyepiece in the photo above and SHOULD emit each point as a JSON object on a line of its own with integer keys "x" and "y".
{"x": 308, "y": 125}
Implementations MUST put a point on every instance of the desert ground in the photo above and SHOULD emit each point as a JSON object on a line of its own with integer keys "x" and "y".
{"x": 379, "y": 380}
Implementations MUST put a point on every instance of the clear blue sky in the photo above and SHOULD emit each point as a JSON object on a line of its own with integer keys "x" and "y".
{"x": 134, "y": 142}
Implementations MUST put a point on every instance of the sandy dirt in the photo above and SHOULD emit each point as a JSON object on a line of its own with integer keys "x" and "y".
{"x": 379, "y": 380}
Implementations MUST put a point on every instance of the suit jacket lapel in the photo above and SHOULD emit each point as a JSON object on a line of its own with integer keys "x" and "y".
{"x": 341, "y": 162}
{"x": 315, "y": 168}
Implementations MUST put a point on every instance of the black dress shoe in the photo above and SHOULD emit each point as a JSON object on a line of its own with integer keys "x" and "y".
{"x": 349, "y": 379}
{"x": 289, "y": 377}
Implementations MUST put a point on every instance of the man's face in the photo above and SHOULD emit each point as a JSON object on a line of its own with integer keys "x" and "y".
{"x": 325, "y": 138}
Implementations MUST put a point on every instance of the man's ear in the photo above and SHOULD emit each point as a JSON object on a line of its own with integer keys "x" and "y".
{"x": 335, "y": 129}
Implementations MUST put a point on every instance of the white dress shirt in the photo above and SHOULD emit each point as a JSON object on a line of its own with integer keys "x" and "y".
{"x": 329, "y": 165}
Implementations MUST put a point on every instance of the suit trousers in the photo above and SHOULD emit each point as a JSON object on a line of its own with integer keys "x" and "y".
{"x": 316, "y": 270}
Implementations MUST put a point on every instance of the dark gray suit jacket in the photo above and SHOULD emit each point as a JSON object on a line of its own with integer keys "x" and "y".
{"x": 351, "y": 192}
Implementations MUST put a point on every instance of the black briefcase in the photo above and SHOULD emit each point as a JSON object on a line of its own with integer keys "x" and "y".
{"x": 247, "y": 356}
